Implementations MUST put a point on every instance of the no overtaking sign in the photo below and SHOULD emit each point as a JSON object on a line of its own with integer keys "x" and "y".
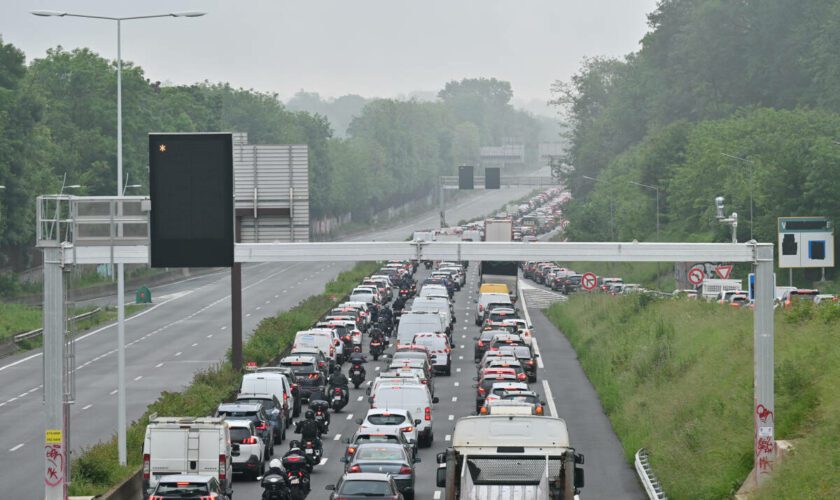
{"x": 588, "y": 281}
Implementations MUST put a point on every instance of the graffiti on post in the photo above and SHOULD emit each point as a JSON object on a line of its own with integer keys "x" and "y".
{"x": 54, "y": 473}
{"x": 765, "y": 444}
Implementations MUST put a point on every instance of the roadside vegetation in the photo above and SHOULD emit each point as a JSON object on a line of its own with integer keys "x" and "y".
{"x": 97, "y": 468}
{"x": 676, "y": 377}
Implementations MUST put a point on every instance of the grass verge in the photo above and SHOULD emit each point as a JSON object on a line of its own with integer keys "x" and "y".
{"x": 676, "y": 377}
{"x": 97, "y": 468}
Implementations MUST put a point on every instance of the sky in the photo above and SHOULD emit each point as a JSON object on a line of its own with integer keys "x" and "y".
{"x": 374, "y": 48}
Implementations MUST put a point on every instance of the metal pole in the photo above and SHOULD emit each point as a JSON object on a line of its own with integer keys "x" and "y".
{"x": 790, "y": 277}
{"x": 121, "y": 395}
{"x": 751, "y": 201}
{"x": 236, "y": 316}
{"x": 122, "y": 451}
{"x": 764, "y": 418}
{"x": 657, "y": 215}
{"x": 55, "y": 452}
{"x": 442, "y": 205}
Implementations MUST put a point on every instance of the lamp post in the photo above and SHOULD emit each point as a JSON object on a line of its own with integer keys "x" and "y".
{"x": 121, "y": 402}
{"x": 751, "y": 164}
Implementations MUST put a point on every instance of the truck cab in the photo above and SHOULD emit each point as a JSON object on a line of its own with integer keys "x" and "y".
{"x": 518, "y": 456}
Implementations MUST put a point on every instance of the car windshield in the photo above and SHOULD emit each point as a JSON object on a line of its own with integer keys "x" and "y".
{"x": 299, "y": 367}
{"x": 236, "y": 413}
{"x": 183, "y": 489}
{"x": 266, "y": 403}
{"x": 379, "y": 453}
{"x": 386, "y": 419}
{"x": 376, "y": 438}
{"x": 365, "y": 488}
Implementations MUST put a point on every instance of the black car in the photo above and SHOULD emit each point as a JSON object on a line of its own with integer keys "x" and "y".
{"x": 449, "y": 284}
{"x": 482, "y": 342}
{"x": 256, "y": 414}
{"x": 527, "y": 358}
{"x": 272, "y": 408}
{"x": 365, "y": 486}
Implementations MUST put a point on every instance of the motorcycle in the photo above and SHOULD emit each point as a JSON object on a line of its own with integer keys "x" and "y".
{"x": 357, "y": 375}
{"x": 275, "y": 488}
{"x": 297, "y": 474}
{"x": 376, "y": 348}
{"x": 322, "y": 413}
{"x": 313, "y": 453}
{"x": 339, "y": 399}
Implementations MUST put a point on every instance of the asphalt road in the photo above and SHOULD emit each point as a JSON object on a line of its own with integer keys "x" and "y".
{"x": 186, "y": 330}
{"x": 560, "y": 380}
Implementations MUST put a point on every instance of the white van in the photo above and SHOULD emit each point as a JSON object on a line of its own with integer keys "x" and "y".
{"x": 321, "y": 339}
{"x": 414, "y": 398}
{"x": 435, "y": 304}
{"x": 186, "y": 445}
{"x": 276, "y": 384}
{"x": 413, "y": 323}
{"x": 489, "y": 298}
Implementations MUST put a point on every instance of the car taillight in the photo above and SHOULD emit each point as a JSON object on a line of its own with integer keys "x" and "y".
{"x": 249, "y": 440}
{"x": 337, "y": 390}
{"x": 530, "y": 361}
{"x": 355, "y": 468}
{"x": 405, "y": 470}
{"x": 222, "y": 467}
{"x": 480, "y": 344}
{"x": 351, "y": 450}
{"x": 261, "y": 427}
{"x": 428, "y": 413}
{"x": 481, "y": 390}
{"x": 407, "y": 429}
{"x": 539, "y": 410}
{"x": 153, "y": 497}
{"x": 424, "y": 381}
{"x": 286, "y": 396}
{"x": 480, "y": 308}
{"x": 147, "y": 466}
{"x": 483, "y": 410}
{"x": 521, "y": 376}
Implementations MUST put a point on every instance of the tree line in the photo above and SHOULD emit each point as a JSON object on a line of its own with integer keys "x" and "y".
{"x": 58, "y": 117}
{"x": 712, "y": 80}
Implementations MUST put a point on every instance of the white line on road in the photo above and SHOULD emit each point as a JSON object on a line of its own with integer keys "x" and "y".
{"x": 349, "y": 417}
{"x": 549, "y": 398}
{"x": 460, "y": 357}
{"x": 224, "y": 328}
{"x": 360, "y": 398}
{"x": 177, "y": 354}
{"x": 158, "y": 365}
{"x": 85, "y": 407}
{"x": 457, "y": 384}
{"x": 454, "y": 399}
{"x": 195, "y": 344}
{"x": 448, "y": 437}
{"x": 248, "y": 315}
{"x": 258, "y": 308}
{"x": 537, "y": 352}
{"x": 113, "y": 392}
{"x": 324, "y": 460}
{"x": 465, "y": 328}
{"x": 16, "y": 448}
{"x": 451, "y": 417}
{"x": 210, "y": 336}
{"x": 458, "y": 370}
{"x": 138, "y": 377}
{"x": 337, "y": 437}
{"x": 437, "y": 494}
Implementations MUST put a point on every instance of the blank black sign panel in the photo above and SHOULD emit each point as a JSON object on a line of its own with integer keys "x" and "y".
{"x": 191, "y": 189}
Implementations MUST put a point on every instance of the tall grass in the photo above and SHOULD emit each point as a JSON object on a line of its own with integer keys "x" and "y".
{"x": 676, "y": 377}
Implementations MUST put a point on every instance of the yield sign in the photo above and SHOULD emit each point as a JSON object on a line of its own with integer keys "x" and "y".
{"x": 723, "y": 272}
{"x": 588, "y": 281}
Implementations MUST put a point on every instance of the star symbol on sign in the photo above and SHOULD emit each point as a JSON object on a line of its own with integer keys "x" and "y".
{"x": 162, "y": 148}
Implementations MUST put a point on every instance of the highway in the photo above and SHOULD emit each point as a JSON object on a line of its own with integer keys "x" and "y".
{"x": 186, "y": 330}
{"x": 560, "y": 380}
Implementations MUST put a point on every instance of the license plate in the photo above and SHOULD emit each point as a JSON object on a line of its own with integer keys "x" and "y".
{"x": 357, "y": 372}
{"x": 309, "y": 451}
{"x": 295, "y": 480}
{"x": 337, "y": 398}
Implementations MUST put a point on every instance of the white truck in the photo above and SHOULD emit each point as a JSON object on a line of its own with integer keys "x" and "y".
{"x": 510, "y": 456}
{"x": 186, "y": 445}
{"x": 498, "y": 230}
{"x": 712, "y": 288}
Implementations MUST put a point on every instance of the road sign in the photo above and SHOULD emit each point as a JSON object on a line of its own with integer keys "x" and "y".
{"x": 588, "y": 281}
{"x": 723, "y": 272}
{"x": 696, "y": 276}
{"x": 806, "y": 242}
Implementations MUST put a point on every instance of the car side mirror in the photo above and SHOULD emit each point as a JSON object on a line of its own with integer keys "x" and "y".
{"x": 542, "y": 403}
{"x": 579, "y": 481}
{"x": 417, "y": 421}
{"x": 435, "y": 400}
{"x": 359, "y": 421}
{"x": 530, "y": 327}
{"x": 441, "y": 457}
{"x": 370, "y": 400}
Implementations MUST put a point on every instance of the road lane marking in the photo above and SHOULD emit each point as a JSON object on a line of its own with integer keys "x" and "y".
{"x": 210, "y": 336}
{"x": 248, "y": 315}
{"x": 86, "y": 407}
{"x": 177, "y": 354}
{"x": 448, "y": 437}
{"x": 458, "y": 370}
{"x": 451, "y": 417}
{"x": 158, "y": 365}
{"x": 549, "y": 398}
{"x": 454, "y": 399}
{"x": 337, "y": 437}
{"x": 113, "y": 392}
{"x": 457, "y": 384}
{"x": 258, "y": 308}
{"x": 349, "y": 417}
{"x": 460, "y": 357}
{"x": 16, "y": 448}
{"x": 324, "y": 460}
{"x": 195, "y": 344}
{"x": 359, "y": 398}
{"x": 138, "y": 377}
{"x": 437, "y": 494}
{"x": 224, "y": 328}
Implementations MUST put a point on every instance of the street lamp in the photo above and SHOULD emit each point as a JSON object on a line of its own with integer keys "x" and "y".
{"x": 751, "y": 164}
{"x": 121, "y": 403}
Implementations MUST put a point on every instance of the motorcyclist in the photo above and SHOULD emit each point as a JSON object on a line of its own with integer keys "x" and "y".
{"x": 297, "y": 464}
{"x": 275, "y": 469}
{"x": 357, "y": 358}
{"x": 339, "y": 379}
{"x": 310, "y": 430}
{"x": 376, "y": 334}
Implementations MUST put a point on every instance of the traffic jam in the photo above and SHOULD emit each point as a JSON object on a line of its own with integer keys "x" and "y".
{"x": 378, "y": 397}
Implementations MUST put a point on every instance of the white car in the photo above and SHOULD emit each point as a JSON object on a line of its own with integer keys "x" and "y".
{"x": 522, "y": 326}
{"x": 414, "y": 398}
{"x": 438, "y": 346}
{"x": 393, "y": 419}
{"x": 248, "y": 449}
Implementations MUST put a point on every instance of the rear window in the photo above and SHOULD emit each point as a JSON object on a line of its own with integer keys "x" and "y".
{"x": 379, "y": 453}
{"x": 378, "y": 438}
{"x": 266, "y": 403}
{"x": 238, "y": 434}
{"x": 366, "y": 488}
{"x": 389, "y": 419}
{"x": 299, "y": 367}
{"x": 239, "y": 414}
{"x": 429, "y": 341}
{"x": 182, "y": 489}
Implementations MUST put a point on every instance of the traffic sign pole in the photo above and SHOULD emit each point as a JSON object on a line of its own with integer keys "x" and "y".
{"x": 764, "y": 417}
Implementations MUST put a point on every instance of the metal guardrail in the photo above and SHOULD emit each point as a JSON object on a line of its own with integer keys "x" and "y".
{"x": 36, "y": 333}
{"x": 649, "y": 479}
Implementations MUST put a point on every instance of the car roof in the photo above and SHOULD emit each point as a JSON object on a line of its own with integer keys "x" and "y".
{"x": 240, "y": 423}
{"x": 240, "y": 406}
{"x": 254, "y": 395}
{"x": 184, "y": 478}
{"x": 366, "y": 476}
{"x": 383, "y": 411}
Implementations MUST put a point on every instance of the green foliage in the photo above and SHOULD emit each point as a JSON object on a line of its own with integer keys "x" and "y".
{"x": 675, "y": 376}
{"x": 18, "y": 318}
{"x": 96, "y": 469}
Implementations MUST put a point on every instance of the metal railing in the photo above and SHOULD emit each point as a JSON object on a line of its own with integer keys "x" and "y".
{"x": 92, "y": 220}
{"x": 40, "y": 331}
{"x": 505, "y": 181}
{"x": 648, "y": 478}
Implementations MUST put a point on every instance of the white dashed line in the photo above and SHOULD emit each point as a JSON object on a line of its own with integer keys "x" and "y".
{"x": 248, "y": 315}
{"x": 460, "y": 357}
{"x": 158, "y": 365}
{"x": 451, "y": 417}
{"x": 448, "y": 437}
{"x": 457, "y": 384}
{"x": 177, "y": 354}
{"x": 113, "y": 392}
{"x": 349, "y": 417}
{"x": 138, "y": 377}
{"x": 437, "y": 494}
{"x": 16, "y": 448}
{"x": 195, "y": 344}
{"x": 210, "y": 336}
{"x": 360, "y": 398}
{"x": 549, "y": 398}
{"x": 458, "y": 370}
{"x": 337, "y": 437}
{"x": 86, "y": 407}
{"x": 224, "y": 328}
{"x": 454, "y": 399}
{"x": 258, "y": 308}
